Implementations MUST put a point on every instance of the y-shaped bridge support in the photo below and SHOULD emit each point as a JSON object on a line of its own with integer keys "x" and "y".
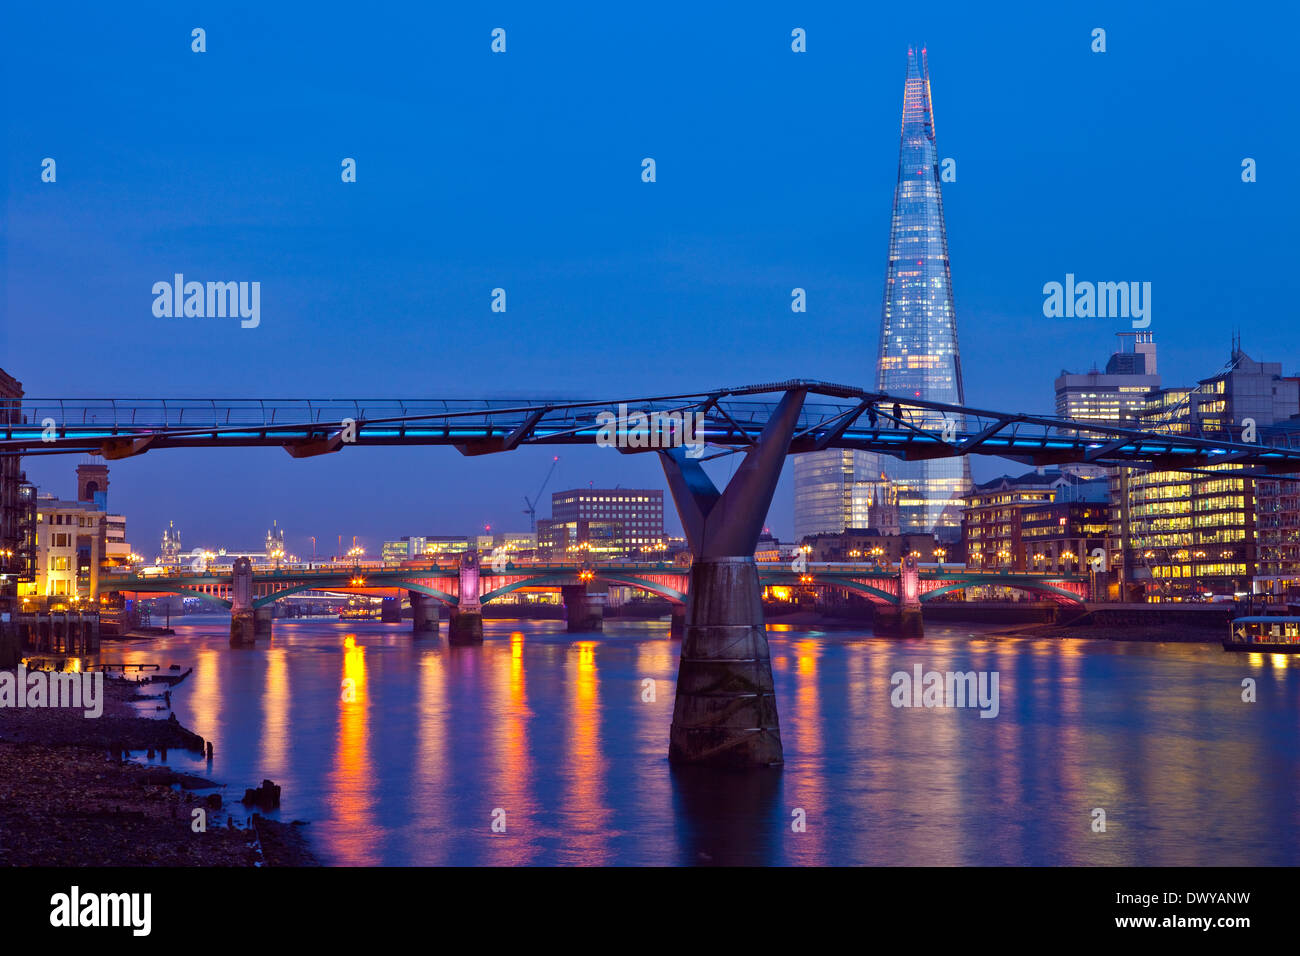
{"x": 725, "y": 711}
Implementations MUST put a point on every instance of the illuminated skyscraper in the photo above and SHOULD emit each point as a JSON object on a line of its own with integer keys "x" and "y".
{"x": 918, "y": 326}
{"x": 918, "y": 355}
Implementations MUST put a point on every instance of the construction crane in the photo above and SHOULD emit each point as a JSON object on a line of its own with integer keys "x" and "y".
{"x": 531, "y": 510}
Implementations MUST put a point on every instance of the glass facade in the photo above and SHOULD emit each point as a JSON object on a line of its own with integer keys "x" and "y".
{"x": 918, "y": 355}
{"x": 838, "y": 489}
{"x": 1193, "y": 534}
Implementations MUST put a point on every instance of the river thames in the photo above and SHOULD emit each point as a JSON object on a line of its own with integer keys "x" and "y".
{"x": 403, "y": 751}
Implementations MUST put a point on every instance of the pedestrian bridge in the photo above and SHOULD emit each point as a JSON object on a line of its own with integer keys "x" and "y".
{"x": 725, "y": 711}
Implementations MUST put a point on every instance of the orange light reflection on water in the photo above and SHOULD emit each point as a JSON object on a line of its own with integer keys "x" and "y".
{"x": 274, "y": 739}
{"x": 431, "y": 778}
{"x": 586, "y": 811}
{"x": 352, "y": 777}
{"x": 809, "y": 785}
{"x": 513, "y": 771}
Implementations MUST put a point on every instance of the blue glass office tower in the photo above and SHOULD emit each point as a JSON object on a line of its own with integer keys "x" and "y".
{"x": 918, "y": 355}
{"x": 918, "y": 325}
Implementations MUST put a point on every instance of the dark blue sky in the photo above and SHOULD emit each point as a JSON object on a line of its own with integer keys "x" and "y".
{"x": 522, "y": 170}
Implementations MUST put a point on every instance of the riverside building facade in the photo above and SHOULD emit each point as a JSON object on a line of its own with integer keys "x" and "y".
{"x": 1191, "y": 536}
{"x": 1038, "y": 521}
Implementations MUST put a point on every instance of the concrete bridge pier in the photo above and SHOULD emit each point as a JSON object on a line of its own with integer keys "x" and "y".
{"x": 242, "y": 627}
{"x": 424, "y": 614}
{"x": 903, "y": 620}
{"x": 909, "y": 604}
{"x": 897, "y": 622}
{"x": 243, "y": 617}
{"x": 262, "y": 620}
{"x": 465, "y": 625}
{"x": 390, "y": 610}
{"x": 584, "y": 610}
{"x": 725, "y": 712}
{"x": 677, "y": 625}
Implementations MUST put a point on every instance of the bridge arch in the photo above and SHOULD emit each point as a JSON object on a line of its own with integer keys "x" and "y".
{"x": 266, "y": 599}
{"x": 532, "y": 582}
{"x": 653, "y": 587}
{"x": 875, "y": 595}
{"x": 449, "y": 599}
{"x": 170, "y": 589}
{"x": 1020, "y": 584}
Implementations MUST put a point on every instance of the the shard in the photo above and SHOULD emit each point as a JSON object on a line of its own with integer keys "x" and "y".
{"x": 918, "y": 354}
{"x": 918, "y": 325}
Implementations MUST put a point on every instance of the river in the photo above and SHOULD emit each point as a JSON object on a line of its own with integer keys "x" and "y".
{"x": 403, "y": 751}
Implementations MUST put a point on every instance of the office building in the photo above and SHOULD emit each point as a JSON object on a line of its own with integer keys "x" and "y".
{"x": 604, "y": 523}
{"x": 1038, "y": 521}
{"x": 1277, "y": 525}
{"x": 423, "y": 548}
{"x": 16, "y": 549}
{"x": 840, "y": 489}
{"x": 1185, "y": 536}
{"x": 1118, "y": 395}
{"x": 75, "y": 542}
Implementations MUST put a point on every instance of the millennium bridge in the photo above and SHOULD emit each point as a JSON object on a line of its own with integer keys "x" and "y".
{"x": 725, "y": 711}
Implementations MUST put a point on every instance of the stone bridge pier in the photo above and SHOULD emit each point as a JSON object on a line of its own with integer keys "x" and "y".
{"x": 584, "y": 608}
{"x": 725, "y": 712}
{"x": 424, "y": 614}
{"x": 904, "y": 620}
{"x": 466, "y": 623}
{"x": 262, "y": 618}
{"x": 390, "y": 610}
{"x": 243, "y": 627}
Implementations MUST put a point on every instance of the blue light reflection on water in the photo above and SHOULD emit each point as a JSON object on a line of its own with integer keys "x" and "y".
{"x": 552, "y": 729}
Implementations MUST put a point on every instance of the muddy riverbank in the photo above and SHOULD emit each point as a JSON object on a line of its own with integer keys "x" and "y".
{"x": 68, "y": 798}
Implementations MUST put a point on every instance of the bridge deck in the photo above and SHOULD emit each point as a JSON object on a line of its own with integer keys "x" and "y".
{"x": 832, "y": 416}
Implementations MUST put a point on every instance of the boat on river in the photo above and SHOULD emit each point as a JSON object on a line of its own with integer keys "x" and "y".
{"x": 1264, "y": 634}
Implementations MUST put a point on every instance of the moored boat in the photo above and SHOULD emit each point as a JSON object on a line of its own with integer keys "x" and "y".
{"x": 1264, "y": 634}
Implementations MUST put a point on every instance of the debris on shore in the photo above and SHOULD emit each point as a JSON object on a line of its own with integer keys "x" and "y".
{"x": 267, "y": 796}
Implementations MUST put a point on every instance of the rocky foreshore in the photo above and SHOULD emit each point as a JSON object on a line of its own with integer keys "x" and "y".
{"x": 67, "y": 798}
